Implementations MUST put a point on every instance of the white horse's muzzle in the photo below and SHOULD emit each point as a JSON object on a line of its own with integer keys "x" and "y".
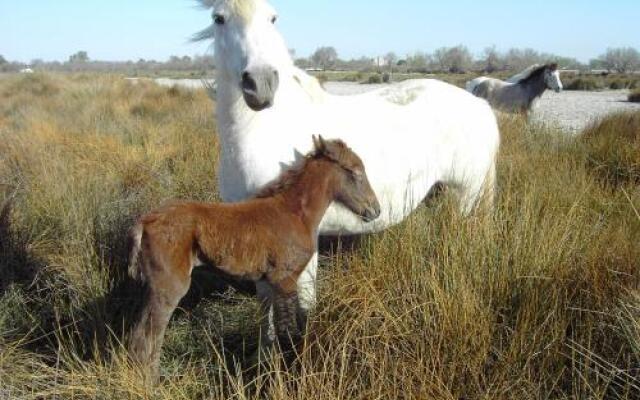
{"x": 259, "y": 87}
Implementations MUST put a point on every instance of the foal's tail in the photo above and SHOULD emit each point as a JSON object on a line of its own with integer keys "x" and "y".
{"x": 135, "y": 246}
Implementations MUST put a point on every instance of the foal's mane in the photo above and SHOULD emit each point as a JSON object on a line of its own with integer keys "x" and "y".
{"x": 291, "y": 175}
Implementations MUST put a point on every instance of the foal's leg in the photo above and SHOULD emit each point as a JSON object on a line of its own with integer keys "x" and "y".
{"x": 165, "y": 287}
{"x": 285, "y": 307}
{"x": 306, "y": 295}
{"x": 265, "y": 294}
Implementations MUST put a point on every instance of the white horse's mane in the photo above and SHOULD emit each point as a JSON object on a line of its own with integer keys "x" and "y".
{"x": 524, "y": 74}
{"x": 239, "y": 7}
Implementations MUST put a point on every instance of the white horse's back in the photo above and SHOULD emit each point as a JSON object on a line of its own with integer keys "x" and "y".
{"x": 411, "y": 136}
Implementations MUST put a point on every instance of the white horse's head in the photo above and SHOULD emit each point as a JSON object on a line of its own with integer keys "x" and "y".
{"x": 552, "y": 77}
{"x": 249, "y": 50}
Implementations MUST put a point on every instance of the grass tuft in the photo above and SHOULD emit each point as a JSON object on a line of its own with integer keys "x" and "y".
{"x": 613, "y": 148}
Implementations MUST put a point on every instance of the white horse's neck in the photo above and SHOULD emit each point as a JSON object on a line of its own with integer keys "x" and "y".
{"x": 236, "y": 119}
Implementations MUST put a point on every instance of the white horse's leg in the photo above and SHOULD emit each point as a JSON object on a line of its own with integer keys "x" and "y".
{"x": 307, "y": 289}
{"x": 478, "y": 192}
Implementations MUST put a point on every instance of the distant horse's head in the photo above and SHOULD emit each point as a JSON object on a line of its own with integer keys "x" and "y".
{"x": 552, "y": 77}
{"x": 352, "y": 188}
{"x": 249, "y": 50}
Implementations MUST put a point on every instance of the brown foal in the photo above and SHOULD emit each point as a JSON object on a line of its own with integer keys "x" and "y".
{"x": 271, "y": 237}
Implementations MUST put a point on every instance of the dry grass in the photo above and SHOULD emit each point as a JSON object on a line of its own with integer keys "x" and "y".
{"x": 539, "y": 300}
{"x": 613, "y": 147}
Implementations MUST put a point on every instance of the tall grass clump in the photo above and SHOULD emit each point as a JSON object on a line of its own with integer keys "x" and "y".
{"x": 613, "y": 147}
{"x": 538, "y": 299}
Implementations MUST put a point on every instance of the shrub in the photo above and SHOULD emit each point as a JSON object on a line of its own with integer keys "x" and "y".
{"x": 634, "y": 96}
{"x": 613, "y": 147}
{"x": 322, "y": 78}
{"x": 38, "y": 84}
{"x": 374, "y": 79}
{"x": 617, "y": 85}
{"x": 351, "y": 77}
{"x": 585, "y": 83}
{"x": 386, "y": 77}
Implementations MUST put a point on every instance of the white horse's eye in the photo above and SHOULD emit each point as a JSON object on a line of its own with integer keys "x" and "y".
{"x": 274, "y": 19}
{"x": 218, "y": 19}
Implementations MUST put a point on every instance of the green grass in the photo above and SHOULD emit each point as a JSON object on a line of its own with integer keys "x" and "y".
{"x": 538, "y": 300}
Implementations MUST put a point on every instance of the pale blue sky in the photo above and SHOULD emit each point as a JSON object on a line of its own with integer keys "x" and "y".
{"x": 156, "y": 29}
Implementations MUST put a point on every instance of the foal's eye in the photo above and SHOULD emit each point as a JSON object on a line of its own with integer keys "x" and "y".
{"x": 356, "y": 176}
{"x": 274, "y": 19}
{"x": 218, "y": 19}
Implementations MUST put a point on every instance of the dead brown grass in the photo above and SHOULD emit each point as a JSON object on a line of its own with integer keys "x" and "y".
{"x": 539, "y": 300}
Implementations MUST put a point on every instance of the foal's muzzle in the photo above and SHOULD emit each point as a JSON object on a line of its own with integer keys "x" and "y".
{"x": 259, "y": 87}
{"x": 370, "y": 213}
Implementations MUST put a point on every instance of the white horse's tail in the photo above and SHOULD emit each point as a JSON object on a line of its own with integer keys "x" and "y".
{"x": 472, "y": 84}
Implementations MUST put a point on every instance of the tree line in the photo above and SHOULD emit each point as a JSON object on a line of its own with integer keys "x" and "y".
{"x": 457, "y": 59}
{"x": 80, "y": 61}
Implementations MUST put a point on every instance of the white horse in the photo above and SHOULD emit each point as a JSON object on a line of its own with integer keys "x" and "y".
{"x": 518, "y": 93}
{"x": 410, "y": 136}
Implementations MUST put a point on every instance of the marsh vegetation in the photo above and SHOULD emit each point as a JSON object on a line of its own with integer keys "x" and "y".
{"x": 538, "y": 300}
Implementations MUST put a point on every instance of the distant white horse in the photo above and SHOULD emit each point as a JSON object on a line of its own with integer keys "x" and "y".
{"x": 519, "y": 92}
{"x": 410, "y": 136}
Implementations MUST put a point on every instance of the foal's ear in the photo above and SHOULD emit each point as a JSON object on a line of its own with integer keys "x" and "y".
{"x": 553, "y": 67}
{"x": 319, "y": 144}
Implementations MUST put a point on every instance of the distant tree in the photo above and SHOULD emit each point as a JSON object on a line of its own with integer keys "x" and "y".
{"x": 491, "y": 59}
{"x": 391, "y": 58}
{"x": 79, "y": 57}
{"x": 564, "y": 62}
{"x": 519, "y": 59}
{"x": 3, "y": 60}
{"x": 453, "y": 59}
{"x": 302, "y": 62}
{"x": 325, "y": 57}
{"x": 622, "y": 59}
{"x": 597, "y": 63}
{"x": 419, "y": 61}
